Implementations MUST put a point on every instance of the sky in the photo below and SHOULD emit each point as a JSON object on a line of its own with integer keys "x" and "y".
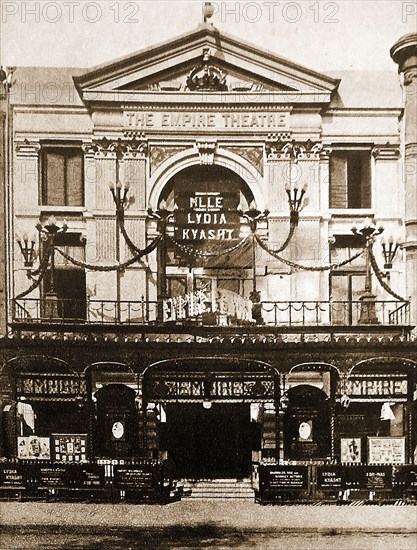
{"x": 322, "y": 35}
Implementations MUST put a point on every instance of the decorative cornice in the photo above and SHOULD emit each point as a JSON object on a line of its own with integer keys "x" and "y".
{"x": 206, "y": 151}
{"x": 386, "y": 152}
{"x": 27, "y": 148}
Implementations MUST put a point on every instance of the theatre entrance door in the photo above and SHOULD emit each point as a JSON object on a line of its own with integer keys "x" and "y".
{"x": 210, "y": 442}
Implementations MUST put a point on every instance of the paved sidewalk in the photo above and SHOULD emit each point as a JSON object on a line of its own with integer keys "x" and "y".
{"x": 236, "y": 514}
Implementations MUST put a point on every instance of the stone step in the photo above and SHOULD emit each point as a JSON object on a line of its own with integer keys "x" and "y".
{"x": 218, "y": 489}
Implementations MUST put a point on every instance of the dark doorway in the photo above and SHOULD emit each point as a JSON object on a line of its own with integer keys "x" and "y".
{"x": 70, "y": 288}
{"x": 206, "y": 443}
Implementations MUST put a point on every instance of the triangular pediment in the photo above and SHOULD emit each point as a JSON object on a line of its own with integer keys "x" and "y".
{"x": 203, "y": 60}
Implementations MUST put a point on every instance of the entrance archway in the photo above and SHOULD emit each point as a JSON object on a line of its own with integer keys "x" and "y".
{"x": 210, "y": 413}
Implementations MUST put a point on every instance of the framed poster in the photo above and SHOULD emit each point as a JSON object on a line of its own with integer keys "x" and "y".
{"x": 70, "y": 447}
{"x": 386, "y": 450}
{"x": 350, "y": 450}
{"x": 33, "y": 447}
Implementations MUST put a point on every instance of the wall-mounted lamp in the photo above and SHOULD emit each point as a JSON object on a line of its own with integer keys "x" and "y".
{"x": 389, "y": 249}
{"x": 295, "y": 200}
{"x": 119, "y": 193}
{"x": 27, "y": 248}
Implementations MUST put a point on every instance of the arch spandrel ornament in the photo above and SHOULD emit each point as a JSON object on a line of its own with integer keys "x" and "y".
{"x": 222, "y": 157}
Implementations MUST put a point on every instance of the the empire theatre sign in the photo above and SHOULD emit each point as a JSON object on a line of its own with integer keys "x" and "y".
{"x": 180, "y": 120}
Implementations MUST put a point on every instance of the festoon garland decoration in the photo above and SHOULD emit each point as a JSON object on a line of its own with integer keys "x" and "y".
{"x": 205, "y": 254}
{"x": 296, "y": 265}
{"x": 381, "y": 281}
{"x": 43, "y": 266}
{"x": 119, "y": 267}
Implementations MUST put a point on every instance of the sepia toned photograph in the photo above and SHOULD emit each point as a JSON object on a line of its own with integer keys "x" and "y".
{"x": 208, "y": 274}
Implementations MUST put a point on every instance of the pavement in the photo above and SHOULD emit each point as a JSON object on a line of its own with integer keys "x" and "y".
{"x": 228, "y": 514}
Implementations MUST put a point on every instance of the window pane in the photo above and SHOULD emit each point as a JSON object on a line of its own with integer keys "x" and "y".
{"x": 54, "y": 179}
{"x": 354, "y": 181}
{"x": 75, "y": 190}
{"x": 338, "y": 181}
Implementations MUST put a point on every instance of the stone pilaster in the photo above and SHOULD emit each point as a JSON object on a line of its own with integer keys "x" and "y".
{"x": 404, "y": 53}
{"x": 3, "y": 215}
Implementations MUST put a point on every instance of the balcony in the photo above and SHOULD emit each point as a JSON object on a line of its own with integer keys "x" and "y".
{"x": 222, "y": 316}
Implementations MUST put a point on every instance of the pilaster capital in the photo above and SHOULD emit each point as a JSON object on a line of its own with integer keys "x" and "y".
{"x": 26, "y": 148}
{"x": 410, "y": 76}
{"x": 295, "y": 151}
{"x": 386, "y": 152}
{"x": 119, "y": 149}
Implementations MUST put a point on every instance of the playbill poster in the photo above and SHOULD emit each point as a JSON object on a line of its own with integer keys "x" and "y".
{"x": 34, "y": 447}
{"x": 350, "y": 450}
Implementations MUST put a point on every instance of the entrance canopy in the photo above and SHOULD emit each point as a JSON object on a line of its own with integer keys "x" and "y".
{"x": 221, "y": 380}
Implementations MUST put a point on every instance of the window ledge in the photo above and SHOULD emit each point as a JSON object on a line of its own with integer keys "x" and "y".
{"x": 69, "y": 209}
{"x": 351, "y": 213}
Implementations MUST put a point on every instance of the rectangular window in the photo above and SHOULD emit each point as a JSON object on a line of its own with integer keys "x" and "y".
{"x": 62, "y": 176}
{"x": 350, "y": 179}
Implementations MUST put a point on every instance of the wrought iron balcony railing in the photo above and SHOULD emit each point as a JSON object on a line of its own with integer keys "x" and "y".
{"x": 295, "y": 314}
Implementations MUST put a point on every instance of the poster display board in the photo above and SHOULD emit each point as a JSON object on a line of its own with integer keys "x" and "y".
{"x": 330, "y": 478}
{"x": 33, "y": 447}
{"x": 386, "y": 450}
{"x": 145, "y": 477}
{"x": 69, "y": 447}
{"x": 276, "y": 478}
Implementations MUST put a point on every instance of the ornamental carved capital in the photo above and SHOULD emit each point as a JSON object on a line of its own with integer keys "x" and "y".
{"x": 410, "y": 76}
{"x": 135, "y": 145}
{"x": 295, "y": 151}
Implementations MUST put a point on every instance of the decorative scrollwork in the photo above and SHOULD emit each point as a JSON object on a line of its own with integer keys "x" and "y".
{"x": 206, "y": 76}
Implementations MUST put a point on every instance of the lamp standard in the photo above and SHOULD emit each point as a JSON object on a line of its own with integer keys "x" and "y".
{"x": 163, "y": 216}
{"x": 49, "y": 232}
{"x": 253, "y": 216}
{"x": 368, "y": 231}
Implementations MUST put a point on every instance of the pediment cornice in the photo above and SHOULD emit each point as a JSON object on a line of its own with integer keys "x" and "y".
{"x": 170, "y": 71}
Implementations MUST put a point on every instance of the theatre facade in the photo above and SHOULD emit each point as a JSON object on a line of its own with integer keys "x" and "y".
{"x": 214, "y": 272}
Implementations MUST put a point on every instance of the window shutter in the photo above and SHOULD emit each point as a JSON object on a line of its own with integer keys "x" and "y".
{"x": 54, "y": 179}
{"x": 75, "y": 191}
{"x": 338, "y": 181}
